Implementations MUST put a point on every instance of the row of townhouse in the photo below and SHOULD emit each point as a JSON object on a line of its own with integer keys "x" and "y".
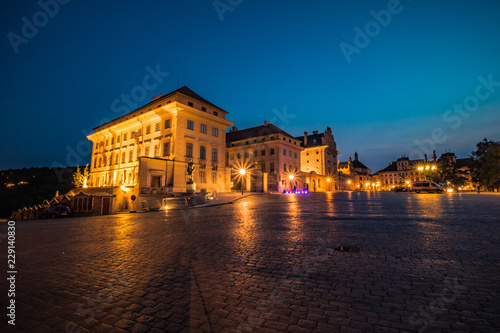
{"x": 145, "y": 153}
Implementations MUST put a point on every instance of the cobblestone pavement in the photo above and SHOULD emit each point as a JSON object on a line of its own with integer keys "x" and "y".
{"x": 426, "y": 263}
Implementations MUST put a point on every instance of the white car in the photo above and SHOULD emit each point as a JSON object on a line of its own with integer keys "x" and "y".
{"x": 426, "y": 186}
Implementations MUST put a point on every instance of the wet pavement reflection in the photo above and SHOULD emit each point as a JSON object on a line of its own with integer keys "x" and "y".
{"x": 427, "y": 262}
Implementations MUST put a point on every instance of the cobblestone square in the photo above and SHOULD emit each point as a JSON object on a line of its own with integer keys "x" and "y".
{"x": 266, "y": 263}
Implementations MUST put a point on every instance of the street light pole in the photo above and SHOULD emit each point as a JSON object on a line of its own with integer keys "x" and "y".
{"x": 242, "y": 173}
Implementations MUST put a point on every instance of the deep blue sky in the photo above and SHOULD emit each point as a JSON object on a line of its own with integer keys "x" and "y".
{"x": 262, "y": 56}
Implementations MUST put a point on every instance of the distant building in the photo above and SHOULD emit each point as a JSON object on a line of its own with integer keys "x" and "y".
{"x": 354, "y": 175}
{"x": 399, "y": 173}
{"x": 146, "y": 151}
{"x": 269, "y": 156}
{"x": 459, "y": 168}
{"x": 319, "y": 154}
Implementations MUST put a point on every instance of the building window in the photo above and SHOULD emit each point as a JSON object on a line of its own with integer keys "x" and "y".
{"x": 239, "y": 155}
{"x": 263, "y": 152}
{"x": 146, "y": 151}
{"x": 95, "y": 162}
{"x": 124, "y": 136}
{"x": 202, "y": 177}
{"x": 255, "y": 153}
{"x": 284, "y": 167}
{"x": 203, "y": 128}
{"x": 123, "y": 157}
{"x": 215, "y": 131}
{"x": 157, "y": 150}
{"x": 271, "y": 151}
{"x": 214, "y": 177}
{"x": 246, "y": 154}
{"x": 118, "y": 138}
{"x": 148, "y": 129}
{"x": 203, "y": 152}
{"x": 117, "y": 157}
{"x": 113, "y": 140}
{"x": 216, "y": 113}
{"x": 131, "y": 156}
{"x": 190, "y": 104}
{"x": 107, "y": 141}
{"x": 189, "y": 149}
{"x": 203, "y": 109}
{"x": 214, "y": 154}
{"x": 190, "y": 124}
{"x": 111, "y": 159}
{"x": 231, "y": 157}
{"x": 167, "y": 123}
{"x": 166, "y": 148}
{"x": 271, "y": 167}
{"x": 157, "y": 127}
{"x": 290, "y": 153}
{"x": 295, "y": 155}
{"x": 284, "y": 152}
{"x": 263, "y": 167}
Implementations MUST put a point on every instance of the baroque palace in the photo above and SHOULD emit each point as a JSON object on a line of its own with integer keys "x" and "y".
{"x": 145, "y": 154}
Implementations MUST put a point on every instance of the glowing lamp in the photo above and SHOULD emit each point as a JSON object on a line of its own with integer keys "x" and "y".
{"x": 290, "y": 177}
{"x": 242, "y": 172}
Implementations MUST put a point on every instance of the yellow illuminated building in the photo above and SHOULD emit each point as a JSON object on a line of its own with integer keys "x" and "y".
{"x": 146, "y": 152}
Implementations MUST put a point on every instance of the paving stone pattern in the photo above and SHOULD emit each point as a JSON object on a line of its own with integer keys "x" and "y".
{"x": 427, "y": 263}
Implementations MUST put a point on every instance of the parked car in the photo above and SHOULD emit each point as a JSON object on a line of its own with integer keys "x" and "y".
{"x": 58, "y": 211}
{"x": 426, "y": 186}
{"x": 401, "y": 189}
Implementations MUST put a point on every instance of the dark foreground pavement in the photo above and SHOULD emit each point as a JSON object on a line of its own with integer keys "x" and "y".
{"x": 265, "y": 263}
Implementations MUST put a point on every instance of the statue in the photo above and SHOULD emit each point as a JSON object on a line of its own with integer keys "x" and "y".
{"x": 190, "y": 171}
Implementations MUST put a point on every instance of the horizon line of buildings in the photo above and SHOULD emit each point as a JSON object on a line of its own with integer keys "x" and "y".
{"x": 145, "y": 154}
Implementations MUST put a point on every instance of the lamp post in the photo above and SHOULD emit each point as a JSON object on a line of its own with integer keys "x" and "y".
{"x": 329, "y": 180}
{"x": 290, "y": 176}
{"x": 349, "y": 183}
{"x": 242, "y": 173}
{"x": 427, "y": 170}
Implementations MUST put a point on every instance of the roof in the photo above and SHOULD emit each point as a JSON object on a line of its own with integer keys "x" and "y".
{"x": 394, "y": 165}
{"x": 311, "y": 140}
{"x": 188, "y": 92}
{"x": 255, "y": 132}
{"x": 358, "y": 165}
{"x": 184, "y": 90}
{"x": 465, "y": 162}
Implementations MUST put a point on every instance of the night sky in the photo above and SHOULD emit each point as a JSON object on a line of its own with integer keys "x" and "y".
{"x": 384, "y": 75}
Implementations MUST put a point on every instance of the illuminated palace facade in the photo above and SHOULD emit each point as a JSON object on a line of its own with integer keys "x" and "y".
{"x": 268, "y": 155}
{"x": 274, "y": 160}
{"x": 146, "y": 151}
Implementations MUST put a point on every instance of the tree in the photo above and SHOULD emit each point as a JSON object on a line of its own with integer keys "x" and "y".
{"x": 80, "y": 179}
{"x": 486, "y": 167}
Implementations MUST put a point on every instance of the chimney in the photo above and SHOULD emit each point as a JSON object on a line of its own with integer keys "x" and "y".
{"x": 266, "y": 123}
{"x": 315, "y": 132}
{"x": 154, "y": 98}
{"x": 305, "y": 139}
{"x": 233, "y": 129}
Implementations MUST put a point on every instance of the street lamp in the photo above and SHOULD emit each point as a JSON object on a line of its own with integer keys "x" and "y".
{"x": 242, "y": 173}
{"x": 329, "y": 180}
{"x": 290, "y": 177}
